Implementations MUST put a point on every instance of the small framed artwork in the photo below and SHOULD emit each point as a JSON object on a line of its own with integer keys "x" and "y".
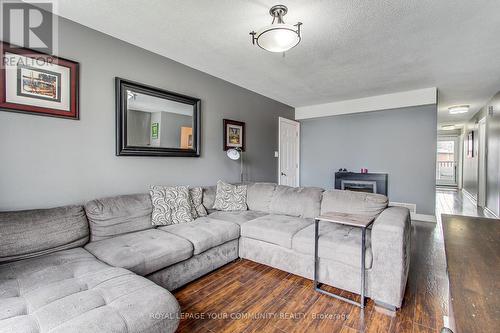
{"x": 234, "y": 134}
{"x": 154, "y": 130}
{"x": 37, "y": 83}
{"x": 470, "y": 144}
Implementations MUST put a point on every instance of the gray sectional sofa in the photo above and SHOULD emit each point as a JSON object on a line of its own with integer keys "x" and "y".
{"x": 105, "y": 268}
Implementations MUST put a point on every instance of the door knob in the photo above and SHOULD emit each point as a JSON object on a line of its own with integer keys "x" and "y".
{"x": 283, "y": 174}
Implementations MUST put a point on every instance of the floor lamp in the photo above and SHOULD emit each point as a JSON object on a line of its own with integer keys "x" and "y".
{"x": 236, "y": 154}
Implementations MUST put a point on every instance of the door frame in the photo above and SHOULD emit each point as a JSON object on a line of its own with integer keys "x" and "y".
{"x": 295, "y": 123}
{"x": 457, "y": 156}
{"x": 481, "y": 163}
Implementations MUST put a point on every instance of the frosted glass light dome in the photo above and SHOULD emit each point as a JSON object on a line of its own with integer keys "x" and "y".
{"x": 279, "y": 36}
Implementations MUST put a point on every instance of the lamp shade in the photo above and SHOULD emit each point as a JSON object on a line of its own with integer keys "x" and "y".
{"x": 233, "y": 154}
{"x": 278, "y": 37}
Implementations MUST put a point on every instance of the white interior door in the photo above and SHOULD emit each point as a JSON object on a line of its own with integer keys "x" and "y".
{"x": 289, "y": 152}
{"x": 481, "y": 193}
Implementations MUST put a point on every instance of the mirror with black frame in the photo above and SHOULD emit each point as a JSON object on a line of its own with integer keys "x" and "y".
{"x": 155, "y": 122}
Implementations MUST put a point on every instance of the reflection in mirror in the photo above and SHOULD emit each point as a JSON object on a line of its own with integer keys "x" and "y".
{"x": 158, "y": 122}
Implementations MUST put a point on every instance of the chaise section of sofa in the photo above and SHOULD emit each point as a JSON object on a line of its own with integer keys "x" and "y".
{"x": 48, "y": 283}
{"x": 71, "y": 291}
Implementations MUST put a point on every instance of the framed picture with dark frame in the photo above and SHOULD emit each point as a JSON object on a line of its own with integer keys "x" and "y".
{"x": 37, "y": 83}
{"x": 234, "y": 134}
{"x": 470, "y": 144}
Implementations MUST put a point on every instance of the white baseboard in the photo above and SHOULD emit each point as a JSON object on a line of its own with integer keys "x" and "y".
{"x": 423, "y": 218}
{"x": 470, "y": 196}
{"x": 491, "y": 212}
{"x": 474, "y": 201}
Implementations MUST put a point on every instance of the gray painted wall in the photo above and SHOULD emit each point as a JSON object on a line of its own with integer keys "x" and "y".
{"x": 470, "y": 170}
{"x": 400, "y": 142}
{"x": 138, "y": 128}
{"x": 493, "y": 157}
{"x": 49, "y": 162}
{"x": 170, "y": 128}
{"x": 470, "y": 164}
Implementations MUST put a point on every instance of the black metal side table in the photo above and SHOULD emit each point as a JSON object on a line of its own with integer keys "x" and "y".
{"x": 353, "y": 220}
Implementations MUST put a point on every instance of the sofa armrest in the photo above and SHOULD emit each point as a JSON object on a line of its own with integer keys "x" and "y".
{"x": 390, "y": 238}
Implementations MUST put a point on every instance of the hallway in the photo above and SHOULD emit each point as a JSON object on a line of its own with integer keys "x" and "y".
{"x": 454, "y": 202}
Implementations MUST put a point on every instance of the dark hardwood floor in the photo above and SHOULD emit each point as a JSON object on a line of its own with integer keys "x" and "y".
{"x": 473, "y": 256}
{"x": 244, "y": 296}
{"x": 453, "y": 201}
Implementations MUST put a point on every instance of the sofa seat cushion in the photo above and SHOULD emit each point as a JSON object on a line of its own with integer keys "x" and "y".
{"x": 142, "y": 252}
{"x": 275, "y": 229}
{"x": 204, "y": 232}
{"x": 336, "y": 242}
{"x": 238, "y": 217}
{"x": 72, "y": 291}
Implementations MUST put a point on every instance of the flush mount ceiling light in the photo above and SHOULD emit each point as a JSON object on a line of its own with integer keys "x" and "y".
{"x": 279, "y": 36}
{"x": 448, "y": 127}
{"x": 458, "y": 109}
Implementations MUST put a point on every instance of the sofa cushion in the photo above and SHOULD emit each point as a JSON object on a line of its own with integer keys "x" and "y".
{"x": 30, "y": 233}
{"x": 161, "y": 212}
{"x": 296, "y": 201}
{"x": 275, "y": 229}
{"x": 197, "y": 208}
{"x": 72, "y": 291}
{"x": 238, "y": 217}
{"x": 259, "y": 196}
{"x": 230, "y": 197}
{"x": 204, "y": 233}
{"x": 142, "y": 252}
{"x": 352, "y": 202}
{"x": 209, "y": 197}
{"x": 336, "y": 242}
{"x": 118, "y": 215}
{"x": 177, "y": 198}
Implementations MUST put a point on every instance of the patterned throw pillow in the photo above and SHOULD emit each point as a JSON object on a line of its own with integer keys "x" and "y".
{"x": 230, "y": 197}
{"x": 171, "y": 205}
{"x": 161, "y": 210}
{"x": 177, "y": 198}
{"x": 197, "y": 208}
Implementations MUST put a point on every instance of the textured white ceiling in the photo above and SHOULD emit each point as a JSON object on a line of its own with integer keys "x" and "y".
{"x": 350, "y": 48}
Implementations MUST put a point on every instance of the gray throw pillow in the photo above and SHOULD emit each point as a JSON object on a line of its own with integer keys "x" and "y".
{"x": 197, "y": 208}
{"x": 161, "y": 210}
{"x": 230, "y": 197}
{"x": 177, "y": 198}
